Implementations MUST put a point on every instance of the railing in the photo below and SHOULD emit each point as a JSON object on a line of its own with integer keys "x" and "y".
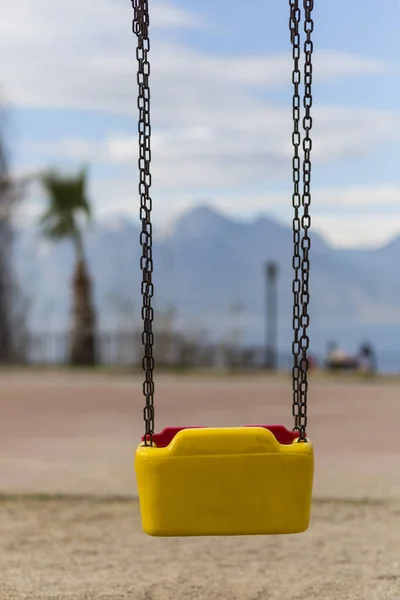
{"x": 172, "y": 351}
{"x": 125, "y": 349}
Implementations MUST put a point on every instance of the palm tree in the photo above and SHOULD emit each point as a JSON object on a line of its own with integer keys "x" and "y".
{"x": 67, "y": 210}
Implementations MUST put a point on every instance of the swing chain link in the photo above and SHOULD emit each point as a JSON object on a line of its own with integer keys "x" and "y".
{"x": 296, "y": 201}
{"x": 301, "y": 262}
{"x": 140, "y": 27}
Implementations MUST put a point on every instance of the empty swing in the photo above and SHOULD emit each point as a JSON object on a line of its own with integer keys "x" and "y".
{"x": 220, "y": 481}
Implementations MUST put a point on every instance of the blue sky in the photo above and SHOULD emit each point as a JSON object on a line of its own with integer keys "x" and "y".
{"x": 221, "y": 99}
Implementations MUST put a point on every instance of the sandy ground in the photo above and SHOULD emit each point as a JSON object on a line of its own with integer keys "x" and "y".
{"x": 81, "y": 549}
{"x": 77, "y": 435}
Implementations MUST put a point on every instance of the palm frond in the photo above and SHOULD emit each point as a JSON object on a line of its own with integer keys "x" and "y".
{"x": 67, "y": 204}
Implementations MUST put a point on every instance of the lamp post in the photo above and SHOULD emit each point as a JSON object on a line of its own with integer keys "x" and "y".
{"x": 271, "y": 315}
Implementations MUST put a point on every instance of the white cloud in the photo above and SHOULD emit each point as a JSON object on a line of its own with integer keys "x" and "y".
{"x": 221, "y": 151}
{"x": 213, "y": 129}
{"x": 360, "y": 197}
{"x": 357, "y": 229}
{"x": 65, "y": 54}
{"x": 54, "y": 21}
{"x": 167, "y": 16}
{"x": 325, "y": 200}
{"x": 208, "y": 122}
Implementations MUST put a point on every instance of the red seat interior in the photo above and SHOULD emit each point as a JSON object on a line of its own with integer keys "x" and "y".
{"x": 283, "y": 435}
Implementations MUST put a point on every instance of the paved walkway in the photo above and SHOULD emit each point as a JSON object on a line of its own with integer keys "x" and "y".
{"x": 77, "y": 434}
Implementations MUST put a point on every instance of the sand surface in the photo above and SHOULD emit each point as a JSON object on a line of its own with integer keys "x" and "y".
{"x": 81, "y": 549}
{"x": 76, "y": 435}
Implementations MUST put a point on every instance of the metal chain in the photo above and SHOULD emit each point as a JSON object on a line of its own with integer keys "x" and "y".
{"x": 140, "y": 27}
{"x": 300, "y": 264}
{"x": 301, "y": 319}
{"x": 294, "y": 21}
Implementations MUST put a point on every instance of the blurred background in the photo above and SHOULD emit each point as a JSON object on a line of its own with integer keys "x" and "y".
{"x": 221, "y": 113}
{"x": 70, "y": 288}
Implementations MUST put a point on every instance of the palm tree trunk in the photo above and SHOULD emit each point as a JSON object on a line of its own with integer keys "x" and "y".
{"x": 83, "y": 325}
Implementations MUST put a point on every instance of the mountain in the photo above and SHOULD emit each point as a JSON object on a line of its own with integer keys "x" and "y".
{"x": 206, "y": 264}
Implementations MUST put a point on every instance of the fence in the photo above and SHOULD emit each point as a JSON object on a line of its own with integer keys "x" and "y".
{"x": 172, "y": 350}
{"x": 125, "y": 349}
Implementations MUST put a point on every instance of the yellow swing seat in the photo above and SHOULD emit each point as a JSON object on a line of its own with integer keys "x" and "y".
{"x": 225, "y": 481}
